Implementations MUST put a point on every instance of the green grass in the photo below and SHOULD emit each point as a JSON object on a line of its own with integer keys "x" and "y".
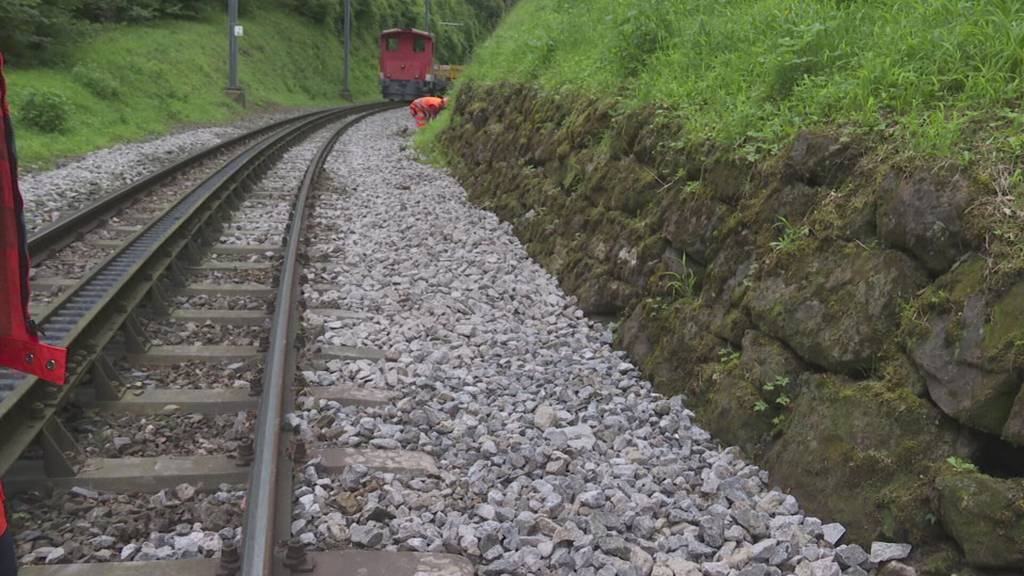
{"x": 938, "y": 78}
{"x": 170, "y": 73}
{"x": 425, "y": 137}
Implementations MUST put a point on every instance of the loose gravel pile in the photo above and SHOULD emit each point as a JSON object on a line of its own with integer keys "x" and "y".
{"x": 556, "y": 457}
{"x": 112, "y": 435}
{"x": 82, "y": 525}
{"x": 48, "y": 194}
{"x": 194, "y": 375}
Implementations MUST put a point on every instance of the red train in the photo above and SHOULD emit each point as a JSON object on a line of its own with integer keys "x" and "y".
{"x": 407, "y": 69}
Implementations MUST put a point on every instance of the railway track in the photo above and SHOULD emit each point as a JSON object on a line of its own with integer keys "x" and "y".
{"x": 438, "y": 401}
{"x": 61, "y": 252}
{"x": 207, "y": 235}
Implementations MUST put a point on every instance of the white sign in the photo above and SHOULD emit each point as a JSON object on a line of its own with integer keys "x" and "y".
{"x": 239, "y": 31}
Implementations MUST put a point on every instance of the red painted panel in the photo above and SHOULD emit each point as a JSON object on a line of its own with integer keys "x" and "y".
{"x": 406, "y": 55}
{"x": 20, "y": 348}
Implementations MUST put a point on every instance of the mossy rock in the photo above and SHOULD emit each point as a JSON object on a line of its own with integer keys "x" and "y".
{"x": 986, "y": 517}
{"x": 968, "y": 345}
{"x": 836, "y": 305}
{"x": 728, "y": 178}
{"x": 819, "y": 159}
{"x": 847, "y": 214}
{"x": 683, "y": 344}
{"x": 747, "y": 398}
{"x": 923, "y": 214}
{"x": 693, "y": 221}
{"x": 866, "y": 454}
{"x": 728, "y": 410}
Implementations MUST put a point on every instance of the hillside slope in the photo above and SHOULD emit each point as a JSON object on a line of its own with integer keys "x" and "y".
{"x": 809, "y": 218}
{"x": 128, "y": 81}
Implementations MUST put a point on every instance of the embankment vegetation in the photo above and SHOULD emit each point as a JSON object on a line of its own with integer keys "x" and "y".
{"x": 89, "y": 73}
{"x": 937, "y": 77}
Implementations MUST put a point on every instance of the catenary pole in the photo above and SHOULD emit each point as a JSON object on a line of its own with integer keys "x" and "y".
{"x": 232, "y": 45}
{"x": 346, "y": 93}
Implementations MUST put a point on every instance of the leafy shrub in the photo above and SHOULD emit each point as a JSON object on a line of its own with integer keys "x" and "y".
{"x": 45, "y": 110}
{"x": 136, "y": 10}
{"x": 317, "y": 10}
{"x": 33, "y": 32}
{"x": 100, "y": 83}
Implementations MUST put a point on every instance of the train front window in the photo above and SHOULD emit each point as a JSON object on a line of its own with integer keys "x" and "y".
{"x": 419, "y": 45}
{"x": 392, "y": 44}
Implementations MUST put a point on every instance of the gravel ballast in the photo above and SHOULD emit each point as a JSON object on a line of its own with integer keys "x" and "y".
{"x": 49, "y": 193}
{"x": 188, "y": 521}
{"x": 555, "y": 455}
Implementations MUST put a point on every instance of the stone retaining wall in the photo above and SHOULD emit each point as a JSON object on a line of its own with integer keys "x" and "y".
{"x": 837, "y": 316}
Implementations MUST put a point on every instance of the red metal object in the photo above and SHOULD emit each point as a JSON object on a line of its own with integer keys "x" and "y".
{"x": 406, "y": 54}
{"x": 406, "y": 64}
{"x": 20, "y": 347}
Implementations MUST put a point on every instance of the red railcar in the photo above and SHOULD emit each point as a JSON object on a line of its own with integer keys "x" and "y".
{"x": 407, "y": 65}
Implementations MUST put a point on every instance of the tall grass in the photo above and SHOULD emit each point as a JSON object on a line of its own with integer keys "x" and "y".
{"x": 942, "y": 77}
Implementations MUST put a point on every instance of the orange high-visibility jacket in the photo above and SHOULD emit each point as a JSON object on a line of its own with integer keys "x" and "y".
{"x": 426, "y": 108}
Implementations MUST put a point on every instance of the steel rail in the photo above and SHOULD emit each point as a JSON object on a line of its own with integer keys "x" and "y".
{"x": 268, "y": 475}
{"x": 87, "y": 317}
{"x": 52, "y": 237}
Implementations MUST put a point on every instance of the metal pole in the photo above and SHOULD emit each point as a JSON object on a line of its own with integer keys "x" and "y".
{"x": 345, "y": 92}
{"x": 232, "y": 45}
{"x": 427, "y": 4}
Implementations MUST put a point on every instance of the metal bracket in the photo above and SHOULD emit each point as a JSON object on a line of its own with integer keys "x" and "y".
{"x": 106, "y": 382}
{"x": 157, "y": 299}
{"x": 192, "y": 252}
{"x": 135, "y": 339}
{"x": 61, "y": 454}
{"x": 177, "y": 274}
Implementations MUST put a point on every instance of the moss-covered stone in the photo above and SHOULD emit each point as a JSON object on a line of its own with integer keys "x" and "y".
{"x": 819, "y": 159}
{"x": 923, "y": 214}
{"x": 836, "y": 305}
{"x": 965, "y": 346}
{"x": 1013, "y": 430}
{"x": 693, "y": 221}
{"x": 730, "y": 410}
{"x": 866, "y": 452}
{"x": 986, "y": 517}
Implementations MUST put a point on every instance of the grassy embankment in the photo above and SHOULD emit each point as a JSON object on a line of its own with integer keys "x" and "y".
{"x": 937, "y": 77}
{"x": 936, "y": 82}
{"x": 129, "y": 81}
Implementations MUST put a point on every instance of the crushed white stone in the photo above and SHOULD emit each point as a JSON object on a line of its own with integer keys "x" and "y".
{"x": 556, "y": 456}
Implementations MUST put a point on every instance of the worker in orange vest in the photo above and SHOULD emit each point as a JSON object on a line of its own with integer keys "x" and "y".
{"x": 426, "y": 109}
